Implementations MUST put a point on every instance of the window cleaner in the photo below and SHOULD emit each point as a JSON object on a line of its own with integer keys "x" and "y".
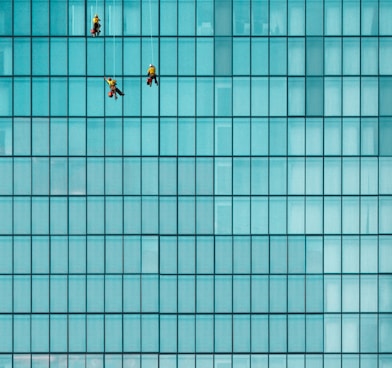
{"x": 113, "y": 88}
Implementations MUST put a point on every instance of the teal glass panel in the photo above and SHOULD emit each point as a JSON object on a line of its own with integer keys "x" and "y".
{"x": 169, "y": 97}
{"x": 149, "y": 335}
{"x": 168, "y": 294}
{"x": 314, "y": 333}
{"x": 186, "y": 294}
{"x": 332, "y": 333}
{"x": 314, "y": 18}
{"x": 6, "y": 290}
{"x": 131, "y": 338}
{"x": 186, "y": 177}
{"x": 368, "y": 333}
{"x": 58, "y": 294}
{"x": 113, "y": 215}
{"x": 21, "y": 294}
{"x": 241, "y": 97}
{"x": 296, "y": 56}
{"x": 40, "y": 334}
{"x": 385, "y": 131}
{"x": 113, "y": 293}
{"x": 76, "y": 294}
{"x": 58, "y": 56}
{"x": 186, "y": 16}
{"x": 204, "y": 52}
{"x": 40, "y": 294}
{"x": 278, "y": 96}
{"x": 259, "y": 334}
{"x": 204, "y": 294}
{"x": 168, "y": 14}
{"x": 204, "y": 220}
{"x": 296, "y": 96}
{"x": 278, "y": 254}
{"x": 296, "y": 254}
{"x": 95, "y": 293}
{"x": 351, "y": 56}
{"x": 278, "y": 333}
{"x": 223, "y": 294}
{"x": 186, "y": 255}
{"x": 6, "y": 251}
{"x": 314, "y": 56}
{"x": 22, "y": 97}
{"x": 241, "y": 294}
{"x": 350, "y": 293}
{"x": 77, "y": 333}
{"x": 296, "y": 333}
{"x": 296, "y": 215}
{"x": 295, "y": 288}
{"x": 168, "y": 255}
{"x": 22, "y": 255}
{"x": 222, "y": 333}
{"x": 369, "y": 18}
{"x": 22, "y": 52}
{"x": 314, "y": 294}
{"x": 58, "y": 254}
{"x": 223, "y": 215}
{"x": 113, "y": 137}
{"x": 186, "y": 334}
{"x": 277, "y": 215}
{"x": 278, "y": 294}
{"x": 168, "y": 334}
{"x": 223, "y": 95}
{"x": 131, "y": 294}
{"x": 113, "y": 333}
{"x": 149, "y": 293}
{"x": 369, "y": 137}
{"x": 223, "y": 255}
{"x": 241, "y": 254}
{"x": 368, "y": 285}
{"x": 205, "y": 255}
{"x": 259, "y": 292}
{"x": 22, "y": 332}
{"x": 186, "y": 97}
{"x": 295, "y": 17}
{"x": 241, "y": 339}
{"x": 58, "y": 339}
{"x": 204, "y": 335}
{"x": 94, "y": 332}
{"x": 278, "y": 171}
{"x": 314, "y": 96}
{"x": 260, "y": 255}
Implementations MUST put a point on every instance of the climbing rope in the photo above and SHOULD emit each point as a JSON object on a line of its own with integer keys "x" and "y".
{"x": 114, "y": 39}
{"x": 152, "y": 47}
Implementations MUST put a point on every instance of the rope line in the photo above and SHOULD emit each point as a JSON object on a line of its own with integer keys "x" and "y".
{"x": 152, "y": 48}
{"x": 114, "y": 39}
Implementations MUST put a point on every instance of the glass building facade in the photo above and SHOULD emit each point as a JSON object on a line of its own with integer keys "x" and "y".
{"x": 238, "y": 215}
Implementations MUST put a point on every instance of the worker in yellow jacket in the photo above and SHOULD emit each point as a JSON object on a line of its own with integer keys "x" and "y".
{"x": 151, "y": 74}
{"x": 96, "y": 30}
{"x": 113, "y": 88}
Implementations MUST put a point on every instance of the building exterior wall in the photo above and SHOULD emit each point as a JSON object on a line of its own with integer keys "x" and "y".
{"x": 238, "y": 215}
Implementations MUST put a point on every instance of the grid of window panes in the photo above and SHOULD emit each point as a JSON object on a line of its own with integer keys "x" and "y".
{"x": 239, "y": 215}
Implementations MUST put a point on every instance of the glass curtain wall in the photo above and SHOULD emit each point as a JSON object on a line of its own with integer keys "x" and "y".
{"x": 238, "y": 215}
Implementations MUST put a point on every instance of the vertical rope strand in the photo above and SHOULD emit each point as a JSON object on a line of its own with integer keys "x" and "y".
{"x": 114, "y": 38}
{"x": 152, "y": 48}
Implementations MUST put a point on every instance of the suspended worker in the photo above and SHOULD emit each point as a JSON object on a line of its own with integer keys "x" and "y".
{"x": 96, "y": 30}
{"x": 151, "y": 74}
{"x": 113, "y": 88}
